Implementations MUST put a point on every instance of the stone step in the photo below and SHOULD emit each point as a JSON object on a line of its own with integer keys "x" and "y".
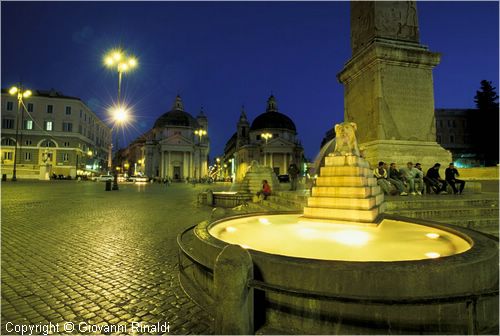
{"x": 366, "y": 216}
{"x": 346, "y": 181}
{"x": 289, "y": 204}
{"x": 345, "y": 171}
{"x": 345, "y": 203}
{"x": 346, "y": 161}
{"x": 347, "y": 192}
{"x": 425, "y": 202}
{"x": 447, "y": 213}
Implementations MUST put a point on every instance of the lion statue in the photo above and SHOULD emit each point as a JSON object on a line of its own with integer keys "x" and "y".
{"x": 346, "y": 143}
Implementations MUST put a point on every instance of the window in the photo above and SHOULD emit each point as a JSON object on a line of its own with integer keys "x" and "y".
{"x": 48, "y": 125}
{"x": 48, "y": 143}
{"x": 68, "y": 110}
{"x": 30, "y": 107}
{"x": 8, "y": 142}
{"x": 27, "y": 156}
{"x": 8, "y": 123}
{"x": 28, "y": 142}
{"x": 10, "y": 106}
{"x": 258, "y": 136}
{"x": 28, "y": 124}
{"x": 440, "y": 123}
{"x": 66, "y": 144}
{"x": 7, "y": 155}
{"x": 449, "y": 123}
{"x": 50, "y": 108}
{"x": 65, "y": 156}
{"x": 438, "y": 138}
{"x": 452, "y": 138}
{"x": 67, "y": 127}
{"x": 453, "y": 123}
{"x": 80, "y": 129}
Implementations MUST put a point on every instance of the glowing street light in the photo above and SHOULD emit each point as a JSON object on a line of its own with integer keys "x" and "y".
{"x": 266, "y": 136}
{"x": 200, "y": 132}
{"x": 120, "y": 117}
{"x": 119, "y": 60}
{"x": 21, "y": 93}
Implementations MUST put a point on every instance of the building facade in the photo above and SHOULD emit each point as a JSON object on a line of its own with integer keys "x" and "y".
{"x": 271, "y": 140}
{"x": 177, "y": 146}
{"x": 57, "y": 134}
{"x": 454, "y": 132}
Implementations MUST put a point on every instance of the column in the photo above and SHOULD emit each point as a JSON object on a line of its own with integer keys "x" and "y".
{"x": 162, "y": 164}
{"x": 272, "y": 165}
{"x": 191, "y": 164}
{"x": 168, "y": 165}
{"x": 285, "y": 162}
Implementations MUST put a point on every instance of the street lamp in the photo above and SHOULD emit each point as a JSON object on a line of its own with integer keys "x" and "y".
{"x": 266, "y": 136}
{"x": 200, "y": 132}
{"x": 120, "y": 116}
{"x": 21, "y": 93}
{"x": 119, "y": 60}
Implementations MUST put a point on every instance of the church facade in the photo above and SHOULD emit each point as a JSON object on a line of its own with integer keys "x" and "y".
{"x": 177, "y": 146}
{"x": 271, "y": 139}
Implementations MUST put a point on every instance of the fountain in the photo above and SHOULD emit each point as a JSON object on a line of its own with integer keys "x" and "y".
{"x": 343, "y": 266}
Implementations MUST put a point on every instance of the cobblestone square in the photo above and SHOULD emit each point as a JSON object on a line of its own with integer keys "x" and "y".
{"x": 73, "y": 252}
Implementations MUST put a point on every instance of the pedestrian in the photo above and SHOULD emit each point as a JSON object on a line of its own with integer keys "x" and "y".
{"x": 293, "y": 172}
{"x": 266, "y": 189}
{"x": 450, "y": 175}
{"x": 434, "y": 181}
{"x": 396, "y": 179}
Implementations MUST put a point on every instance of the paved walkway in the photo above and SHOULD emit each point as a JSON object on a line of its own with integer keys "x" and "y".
{"x": 72, "y": 252}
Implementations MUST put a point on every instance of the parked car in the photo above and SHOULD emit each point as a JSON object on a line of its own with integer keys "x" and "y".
{"x": 284, "y": 178}
{"x": 104, "y": 178}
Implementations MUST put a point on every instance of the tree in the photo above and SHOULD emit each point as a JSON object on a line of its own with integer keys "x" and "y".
{"x": 485, "y": 124}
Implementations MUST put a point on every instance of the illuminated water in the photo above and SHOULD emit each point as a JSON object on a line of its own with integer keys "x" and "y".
{"x": 293, "y": 235}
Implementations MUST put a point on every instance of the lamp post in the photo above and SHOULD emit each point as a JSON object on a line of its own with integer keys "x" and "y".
{"x": 121, "y": 62}
{"x": 120, "y": 116}
{"x": 266, "y": 136}
{"x": 200, "y": 132}
{"x": 21, "y": 93}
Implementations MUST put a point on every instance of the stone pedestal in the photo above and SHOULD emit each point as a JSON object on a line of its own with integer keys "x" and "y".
{"x": 400, "y": 151}
{"x": 389, "y": 90}
{"x": 346, "y": 191}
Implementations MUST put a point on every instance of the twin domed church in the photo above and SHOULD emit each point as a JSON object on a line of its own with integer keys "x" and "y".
{"x": 178, "y": 145}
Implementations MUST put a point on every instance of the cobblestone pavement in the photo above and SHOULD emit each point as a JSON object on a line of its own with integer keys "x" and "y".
{"x": 72, "y": 252}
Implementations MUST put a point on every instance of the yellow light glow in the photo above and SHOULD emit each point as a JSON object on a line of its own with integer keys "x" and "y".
{"x": 123, "y": 67}
{"x": 89, "y": 153}
{"x": 117, "y": 55}
{"x": 264, "y": 221}
{"x": 132, "y": 62}
{"x": 13, "y": 90}
{"x": 307, "y": 233}
{"x": 432, "y": 235}
{"x": 432, "y": 255}
{"x": 350, "y": 237}
{"x": 231, "y": 229}
{"x": 109, "y": 61}
{"x": 246, "y": 247}
{"x": 27, "y": 93}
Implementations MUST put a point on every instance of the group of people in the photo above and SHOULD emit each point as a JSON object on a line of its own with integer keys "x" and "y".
{"x": 411, "y": 179}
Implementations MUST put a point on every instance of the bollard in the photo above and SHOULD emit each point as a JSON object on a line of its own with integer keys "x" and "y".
{"x": 234, "y": 300}
{"x": 4, "y": 177}
{"x": 210, "y": 198}
{"x": 108, "y": 186}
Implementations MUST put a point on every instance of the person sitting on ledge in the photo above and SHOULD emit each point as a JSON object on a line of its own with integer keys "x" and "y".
{"x": 381, "y": 174}
{"x": 396, "y": 179}
{"x": 450, "y": 174}
{"x": 434, "y": 181}
{"x": 266, "y": 189}
{"x": 413, "y": 176}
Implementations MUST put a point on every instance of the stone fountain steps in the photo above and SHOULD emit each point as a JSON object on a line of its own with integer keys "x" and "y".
{"x": 357, "y": 215}
{"x": 346, "y": 192}
{"x": 345, "y": 171}
{"x": 345, "y": 181}
{"x": 345, "y": 202}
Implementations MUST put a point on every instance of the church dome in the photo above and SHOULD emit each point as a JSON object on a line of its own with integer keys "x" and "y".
{"x": 176, "y": 117}
{"x": 272, "y": 118}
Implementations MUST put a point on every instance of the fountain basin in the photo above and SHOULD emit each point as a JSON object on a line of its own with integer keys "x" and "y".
{"x": 450, "y": 294}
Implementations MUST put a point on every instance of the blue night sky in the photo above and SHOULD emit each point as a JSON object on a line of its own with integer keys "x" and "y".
{"x": 225, "y": 54}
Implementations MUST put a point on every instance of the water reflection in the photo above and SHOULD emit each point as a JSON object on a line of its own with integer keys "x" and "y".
{"x": 294, "y": 236}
